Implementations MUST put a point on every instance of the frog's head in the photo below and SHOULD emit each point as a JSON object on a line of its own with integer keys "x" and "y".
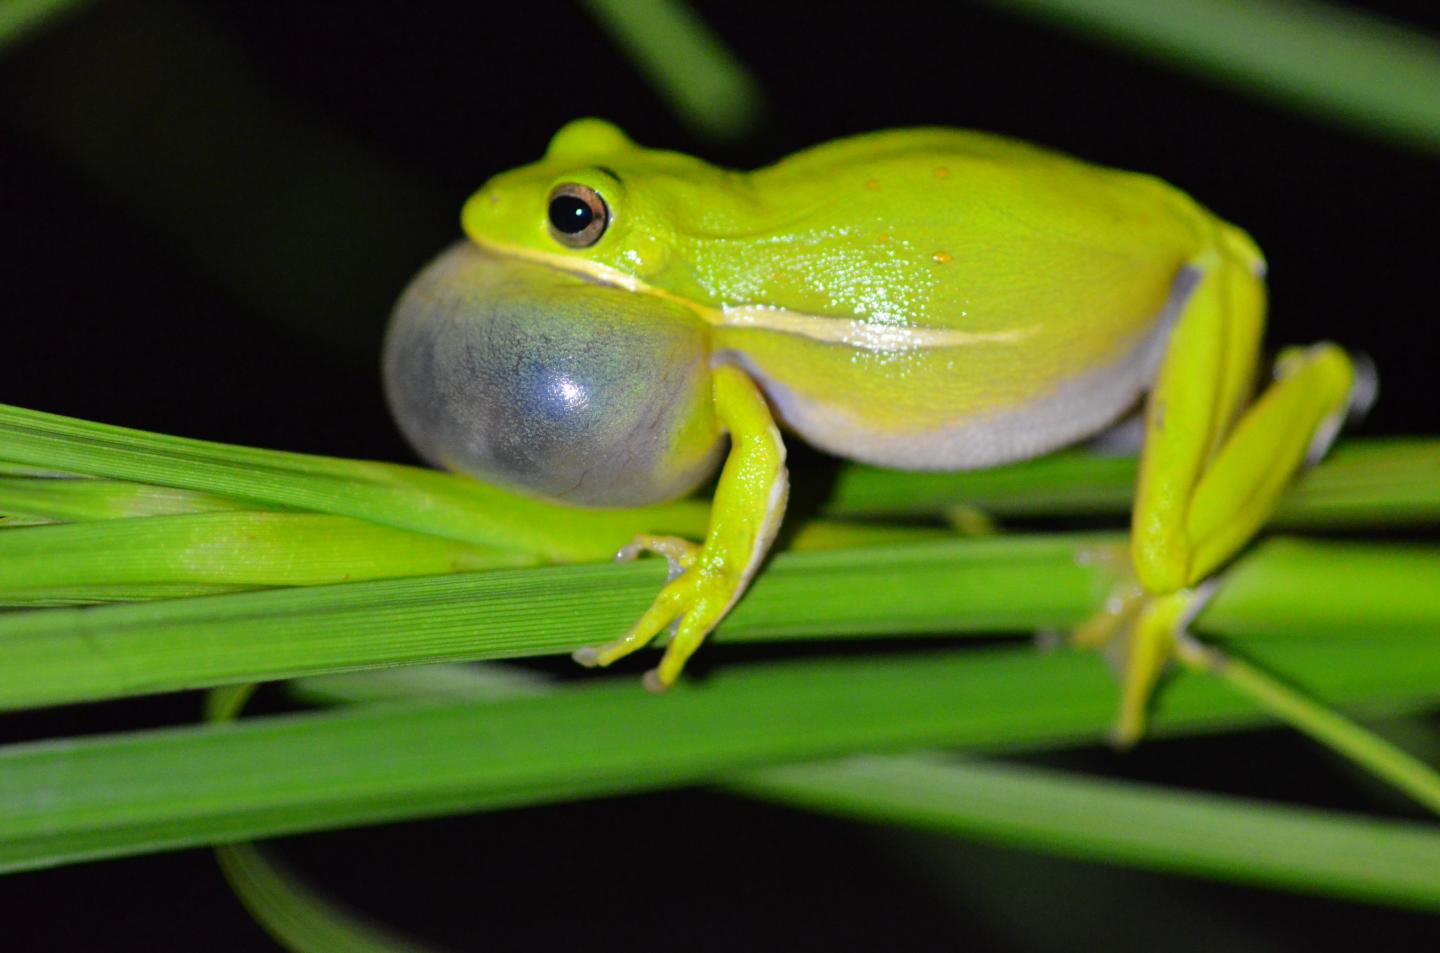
{"x": 596, "y": 205}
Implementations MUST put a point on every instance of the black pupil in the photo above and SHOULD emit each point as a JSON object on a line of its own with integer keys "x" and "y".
{"x": 570, "y": 214}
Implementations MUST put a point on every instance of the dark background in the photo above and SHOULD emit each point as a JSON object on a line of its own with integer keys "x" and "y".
{"x": 208, "y": 208}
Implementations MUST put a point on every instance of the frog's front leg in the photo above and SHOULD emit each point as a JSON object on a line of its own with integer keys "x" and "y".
{"x": 1211, "y": 470}
{"x": 744, "y": 517}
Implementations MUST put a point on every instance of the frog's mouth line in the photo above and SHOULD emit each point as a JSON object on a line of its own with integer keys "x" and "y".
{"x": 856, "y": 333}
{"x": 591, "y": 271}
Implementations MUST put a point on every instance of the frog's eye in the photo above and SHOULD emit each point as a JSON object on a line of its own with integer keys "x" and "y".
{"x": 578, "y": 215}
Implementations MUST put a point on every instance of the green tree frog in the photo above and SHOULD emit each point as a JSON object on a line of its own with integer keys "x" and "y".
{"x": 921, "y": 298}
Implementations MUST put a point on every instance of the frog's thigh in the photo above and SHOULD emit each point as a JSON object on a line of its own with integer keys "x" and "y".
{"x": 1203, "y": 381}
{"x": 1208, "y": 482}
{"x": 745, "y": 515}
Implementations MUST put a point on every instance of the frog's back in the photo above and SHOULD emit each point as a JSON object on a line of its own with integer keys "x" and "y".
{"x": 944, "y": 298}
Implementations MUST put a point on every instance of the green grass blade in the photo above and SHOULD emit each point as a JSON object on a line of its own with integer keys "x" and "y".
{"x": 708, "y": 87}
{"x": 1202, "y": 835}
{"x": 1293, "y": 586}
{"x": 388, "y": 494}
{"x": 985, "y": 585}
{"x": 90, "y": 593}
{"x": 232, "y": 549}
{"x": 1366, "y": 748}
{"x": 63, "y": 655}
{"x": 19, "y": 18}
{"x": 1327, "y": 59}
{"x": 1362, "y": 483}
{"x": 197, "y": 543}
{"x": 1218, "y": 837}
{"x": 443, "y": 681}
{"x": 298, "y": 917}
{"x": 118, "y": 794}
{"x": 68, "y": 500}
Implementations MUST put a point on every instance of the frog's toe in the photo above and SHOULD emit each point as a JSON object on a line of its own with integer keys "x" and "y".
{"x": 679, "y": 553}
{"x": 667, "y": 607}
{"x": 691, "y": 605}
{"x": 588, "y": 656}
{"x": 1143, "y": 651}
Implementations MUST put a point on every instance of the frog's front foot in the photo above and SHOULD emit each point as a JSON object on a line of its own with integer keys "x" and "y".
{"x": 706, "y": 580}
{"x": 679, "y": 553}
{"x": 703, "y": 584}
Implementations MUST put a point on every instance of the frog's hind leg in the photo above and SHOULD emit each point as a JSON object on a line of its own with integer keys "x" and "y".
{"x": 1211, "y": 470}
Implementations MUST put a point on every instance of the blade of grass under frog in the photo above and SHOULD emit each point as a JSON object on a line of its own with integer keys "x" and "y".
{"x": 403, "y": 497}
{"x": 1362, "y": 483}
{"x": 91, "y": 594}
{"x": 1395, "y": 482}
{"x": 998, "y": 584}
{"x": 990, "y": 585}
{"x": 73, "y": 500}
{"x": 235, "y": 549}
{"x": 209, "y": 552}
{"x": 117, "y": 794}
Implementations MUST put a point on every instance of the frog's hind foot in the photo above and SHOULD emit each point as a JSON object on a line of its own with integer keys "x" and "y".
{"x": 1139, "y": 634}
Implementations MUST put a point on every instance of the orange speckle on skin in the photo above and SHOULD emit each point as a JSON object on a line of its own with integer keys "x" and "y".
{"x": 941, "y": 172}
{"x": 872, "y": 184}
{"x": 884, "y": 236}
{"x": 941, "y": 257}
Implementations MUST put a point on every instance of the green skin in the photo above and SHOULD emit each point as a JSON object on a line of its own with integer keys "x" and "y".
{"x": 935, "y": 298}
{"x": 1034, "y": 269}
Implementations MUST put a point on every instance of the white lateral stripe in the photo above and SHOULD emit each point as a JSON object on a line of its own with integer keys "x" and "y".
{"x": 852, "y": 332}
{"x": 856, "y": 332}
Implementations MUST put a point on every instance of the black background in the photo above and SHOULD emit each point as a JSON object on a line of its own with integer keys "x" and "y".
{"x": 207, "y": 210}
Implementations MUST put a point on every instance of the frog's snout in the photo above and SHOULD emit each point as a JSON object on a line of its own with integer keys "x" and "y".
{"x": 549, "y": 385}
